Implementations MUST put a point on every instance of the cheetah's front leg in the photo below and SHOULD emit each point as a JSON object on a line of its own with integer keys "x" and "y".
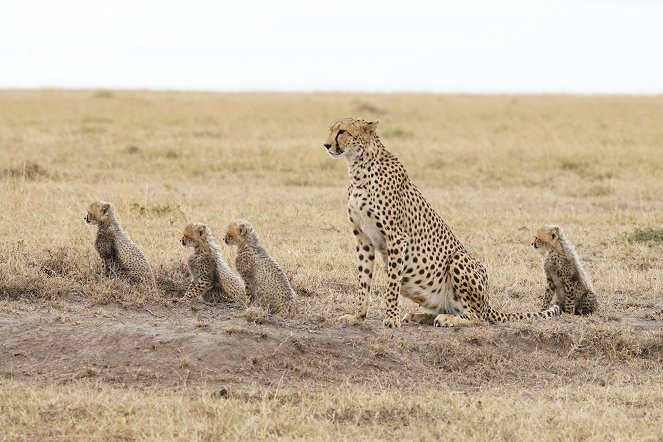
{"x": 365, "y": 266}
{"x": 245, "y": 270}
{"x": 550, "y": 292}
{"x": 106, "y": 252}
{"x": 396, "y": 249}
{"x": 569, "y": 299}
{"x": 197, "y": 289}
{"x": 111, "y": 267}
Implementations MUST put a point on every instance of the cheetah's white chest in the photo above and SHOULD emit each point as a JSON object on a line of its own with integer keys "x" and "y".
{"x": 373, "y": 234}
{"x": 367, "y": 225}
{"x": 560, "y": 293}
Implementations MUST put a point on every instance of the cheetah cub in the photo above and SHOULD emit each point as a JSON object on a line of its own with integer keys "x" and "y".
{"x": 211, "y": 278}
{"x": 119, "y": 253}
{"x": 266, "y": 283}
{"x": 567, "y": 281}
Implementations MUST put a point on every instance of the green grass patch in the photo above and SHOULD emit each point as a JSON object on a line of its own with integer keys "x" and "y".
{"x": 397, "y": 133}
{"x": 103, "y": 93}
{"x": 646, "y": 235}
{"x": 572, "y": 165}
{"x": 156, "y": 209}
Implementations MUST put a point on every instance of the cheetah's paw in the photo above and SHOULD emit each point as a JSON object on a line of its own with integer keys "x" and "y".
{"x": 444, "y": 321}
{"x": 392, "y": 322}
{"x": 350, "y": 319}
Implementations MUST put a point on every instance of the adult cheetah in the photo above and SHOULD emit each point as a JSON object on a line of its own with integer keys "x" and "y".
{"x": 425, "y": 261}
{"x": 568, "y": 282}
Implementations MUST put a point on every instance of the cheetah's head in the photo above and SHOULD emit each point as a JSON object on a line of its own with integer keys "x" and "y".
{"x": 548, "y": 238}
{"x": 349, "y": 137}
{"x": 99, "y": 212}
{"x": 193, "y": 234}
{"x": 237, "y": 232}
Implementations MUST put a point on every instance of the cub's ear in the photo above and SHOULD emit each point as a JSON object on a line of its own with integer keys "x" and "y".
{"x": 105, "y": 207}
{"x": 554, "y": 232}
{"x": 372, "y": 126}
{"x": 242, "y": 229}
{"x": 201, "y": 229}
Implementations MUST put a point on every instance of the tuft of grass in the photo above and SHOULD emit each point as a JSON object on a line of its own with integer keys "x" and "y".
{"x": 571, "y": 165}
{"x": 297, "y": 181}
{"x": 30, "y": 286}
{"x": 366, "y": 107}
{"x": 65, "y": 274}
{"x": 103, "y": 93}
{"x": 173, "y": 278}
{"x": 27, "y": 170}
{"x": 156, "y": 209}
{"x": 398, "y": 133}
{"x": 90, "y": 130}
{"x": 646, "y": 235}
{"x": 133, "y": 149}
{"x": 58, "y": 262}
{"x": 255, "y": 315}
{"x": 173, "y": 154}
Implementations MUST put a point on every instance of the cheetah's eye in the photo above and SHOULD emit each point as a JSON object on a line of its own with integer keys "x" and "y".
{"x": 341, "y": 131}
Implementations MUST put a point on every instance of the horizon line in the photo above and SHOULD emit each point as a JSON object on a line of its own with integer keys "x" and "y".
{"x": 247, "y": 91}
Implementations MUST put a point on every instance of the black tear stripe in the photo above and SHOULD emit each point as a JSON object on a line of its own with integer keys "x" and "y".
{"x": 336, "y": 139}
{"x": 337, "y": 135}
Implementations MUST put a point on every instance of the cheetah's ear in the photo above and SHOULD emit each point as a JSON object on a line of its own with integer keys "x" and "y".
{"x": 372, "y": 126}
{"x": 201, "y": 229}
{"x": 105, "y": 207}
{"x": 554, "y": 232}
{"x": 242, "y": 229}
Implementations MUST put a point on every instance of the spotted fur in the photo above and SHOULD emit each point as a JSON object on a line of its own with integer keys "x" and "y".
{"x": 425, "y": 261}
{"x": 568, "y": 283}
{"x": 266, "y": 283}
{"x": 211, "y": 277}
{"x": 119, "y": 253}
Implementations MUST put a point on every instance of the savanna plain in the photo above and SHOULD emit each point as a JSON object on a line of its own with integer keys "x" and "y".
{"x": 84, "y": 357}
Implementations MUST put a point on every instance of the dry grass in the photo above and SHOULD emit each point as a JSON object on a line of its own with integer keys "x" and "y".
{"x": 96, "y": 411}
{"x": 494, "y": 167}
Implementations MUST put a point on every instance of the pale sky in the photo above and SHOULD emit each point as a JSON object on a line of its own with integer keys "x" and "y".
{"x": 473, "y": 46}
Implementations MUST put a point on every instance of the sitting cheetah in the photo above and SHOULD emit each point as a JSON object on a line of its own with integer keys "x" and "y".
{"x": 119, "y": 253}
{"x": 425, "y": 261}
{"x": 266, "y": 283}
{"x": 567, "y": 280}
{"x": 210, "y": 274}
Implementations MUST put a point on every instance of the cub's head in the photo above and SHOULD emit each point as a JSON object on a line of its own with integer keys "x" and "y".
{"x": 99, "y": 212}
{"x": 193, "y": 234}
{"x": 237, "y": 232}
{"x": 350, "y": 136}
{"x": 548, "y": 238}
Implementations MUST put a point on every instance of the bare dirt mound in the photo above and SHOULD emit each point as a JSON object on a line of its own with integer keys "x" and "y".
{"x": 160, "y": 346}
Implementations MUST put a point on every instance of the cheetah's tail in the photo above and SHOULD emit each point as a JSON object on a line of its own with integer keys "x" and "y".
{"x": 492, "y": 316}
